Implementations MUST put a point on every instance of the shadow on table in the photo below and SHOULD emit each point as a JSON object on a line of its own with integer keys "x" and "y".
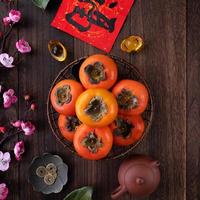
{"x": 54, "y": 5}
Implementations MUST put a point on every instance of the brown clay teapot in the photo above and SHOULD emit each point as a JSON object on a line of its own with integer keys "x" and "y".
{"x": 139, "y": 175}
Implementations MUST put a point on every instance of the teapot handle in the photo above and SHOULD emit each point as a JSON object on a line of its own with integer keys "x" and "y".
{"x": 118, "y": 192}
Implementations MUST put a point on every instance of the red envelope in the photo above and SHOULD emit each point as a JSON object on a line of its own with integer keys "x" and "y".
{"x": 96, "y": 22}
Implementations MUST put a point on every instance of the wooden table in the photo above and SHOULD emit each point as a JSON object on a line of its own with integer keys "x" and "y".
{"x": 169, "y": 62}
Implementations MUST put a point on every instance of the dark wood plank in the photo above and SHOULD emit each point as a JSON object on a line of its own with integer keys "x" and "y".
{"x": 193, "y": 99}
{"x": 163, "y": 64}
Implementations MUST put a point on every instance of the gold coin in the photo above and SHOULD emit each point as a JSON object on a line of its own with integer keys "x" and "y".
{"x": 49, "y": 179}
{"x": 41, "y": 171}
{"x": 55, "y": 175}
{"x": 51, "y": 168}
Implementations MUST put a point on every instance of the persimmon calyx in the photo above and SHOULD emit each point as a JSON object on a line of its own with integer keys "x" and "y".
{"x": 72, "y": 123}
{"x": 92, "y": 142}
{"x": 63, "y": 95}
{"x": 96, "y": 108}
{"x": 123, "y": 127}
{"x": 95, "y": 72}
{"x": 126, "y": 100}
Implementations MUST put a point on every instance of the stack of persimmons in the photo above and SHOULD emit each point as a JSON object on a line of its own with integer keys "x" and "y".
{"x": 92, "y": 115}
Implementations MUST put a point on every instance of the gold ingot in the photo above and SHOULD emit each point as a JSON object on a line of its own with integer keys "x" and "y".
{"x": 57, "y": 50}
{"x": 132, "y": 44}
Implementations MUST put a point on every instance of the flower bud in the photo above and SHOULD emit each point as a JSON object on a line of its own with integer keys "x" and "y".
{"x": 2, "y": 129}
{"x": 27, "y": 97}
{"x": 33, "y": 106}
{"x": 6, "y": 21}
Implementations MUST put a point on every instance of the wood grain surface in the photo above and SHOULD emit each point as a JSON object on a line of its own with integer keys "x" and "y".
{"x": 170, "y": 63}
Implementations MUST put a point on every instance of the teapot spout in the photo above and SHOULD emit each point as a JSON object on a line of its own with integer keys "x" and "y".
{"x": 117, "y": 193}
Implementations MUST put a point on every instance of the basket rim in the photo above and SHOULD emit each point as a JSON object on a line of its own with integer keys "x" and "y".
{"x": 151, "y": 102}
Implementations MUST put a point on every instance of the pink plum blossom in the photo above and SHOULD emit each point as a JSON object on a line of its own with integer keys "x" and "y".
{"x": 19, "y": 150}
{"x": 6, "y": 60}
{"x": 3, "y": 191}
{"x": 15, "y": 16}
{"x": 6, "y": 21}
{"x": 23, "y": 46}
{"x": 28, "y": 128}
{"x": 16, "y": 124}
{"x": 9, "y": 98}
{"x": 4, "y": 161}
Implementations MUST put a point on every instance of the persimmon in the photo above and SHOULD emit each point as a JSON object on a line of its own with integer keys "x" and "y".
{"x": 64, "y": 96}
{"x": 68, "y": 125}
{"x": 127, "y": 129}
{"x": 96, "y": 107}
{"x": 132, "y": 97}
{"x": 93, "y": 143}
{"x": 98, "y": 71}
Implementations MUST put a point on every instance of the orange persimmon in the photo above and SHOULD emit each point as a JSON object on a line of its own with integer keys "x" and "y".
{"x": 64, "y": 95}
{"x": 96, "y": 107}
{"x": 68, "y": 125}
{"x": 127, "y": 129}
{"x": 93, "y": 143}
{"x": 132, "y": 97}
{"x": 98, "y": 71}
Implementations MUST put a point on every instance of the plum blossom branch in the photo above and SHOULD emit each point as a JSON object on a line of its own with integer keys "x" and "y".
{"x": 7, "y": 137}
{"x": 8, "y": 97}
{"x": 5, "y": 37}
{"x": 14, "y": 128}
{"x": 22, "y": 46}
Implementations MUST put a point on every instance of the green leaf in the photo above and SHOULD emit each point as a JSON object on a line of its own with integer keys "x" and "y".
{"x": 84, "y": 193}
{"x": 41, "y": 3}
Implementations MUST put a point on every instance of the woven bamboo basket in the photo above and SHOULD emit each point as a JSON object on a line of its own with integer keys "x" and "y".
{"x": 125, "y": 71}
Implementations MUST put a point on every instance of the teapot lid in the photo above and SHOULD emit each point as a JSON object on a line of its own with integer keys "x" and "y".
{"x": 142, "y": 180}
{"x": 141, "y": 175}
